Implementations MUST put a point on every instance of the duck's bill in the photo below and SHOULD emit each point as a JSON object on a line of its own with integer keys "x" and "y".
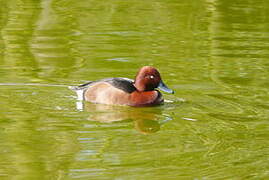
{"x": 164, "y": 88}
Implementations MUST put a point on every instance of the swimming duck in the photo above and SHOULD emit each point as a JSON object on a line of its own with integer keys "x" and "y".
{"x": 123, "y": 91}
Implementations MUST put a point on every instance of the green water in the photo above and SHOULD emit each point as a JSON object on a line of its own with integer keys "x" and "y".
{"x": 213, "y": 53}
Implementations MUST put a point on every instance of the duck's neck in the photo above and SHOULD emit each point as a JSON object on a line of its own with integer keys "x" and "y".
{"x": 142, "y": 86}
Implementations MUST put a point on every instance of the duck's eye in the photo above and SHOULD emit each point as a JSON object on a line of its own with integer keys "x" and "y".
{"x": 151, "y": 77}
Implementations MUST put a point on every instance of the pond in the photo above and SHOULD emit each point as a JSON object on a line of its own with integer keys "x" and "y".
{"x": 212, "y": 53}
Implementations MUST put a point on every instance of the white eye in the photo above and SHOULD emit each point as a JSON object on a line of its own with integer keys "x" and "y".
{"x": 151, "y": 77}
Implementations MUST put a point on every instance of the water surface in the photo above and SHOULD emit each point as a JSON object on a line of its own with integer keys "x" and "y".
{"x": 213, "y": 53}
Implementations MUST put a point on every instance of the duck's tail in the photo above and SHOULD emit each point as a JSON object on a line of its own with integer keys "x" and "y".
{"x": 73, "y": 88}
{"x": 80, "y": 90}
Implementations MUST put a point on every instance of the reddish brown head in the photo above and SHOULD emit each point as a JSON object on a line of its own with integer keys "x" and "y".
{"x": 148, "y": 78}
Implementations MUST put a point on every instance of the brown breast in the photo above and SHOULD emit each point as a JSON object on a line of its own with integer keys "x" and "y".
{"x": 146, "y": 98}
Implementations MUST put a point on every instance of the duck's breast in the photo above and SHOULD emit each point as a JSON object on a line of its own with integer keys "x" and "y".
{"x": 146, "y": 98}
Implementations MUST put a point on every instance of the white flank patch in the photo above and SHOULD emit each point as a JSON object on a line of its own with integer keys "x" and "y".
{"x": 80, "y": 94}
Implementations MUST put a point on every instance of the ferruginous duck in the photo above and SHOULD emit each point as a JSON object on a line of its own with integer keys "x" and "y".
{"x": 123, "y": 91}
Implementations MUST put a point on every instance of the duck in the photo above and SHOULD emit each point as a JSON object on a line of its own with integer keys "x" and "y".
{"x": 142, "y": 91}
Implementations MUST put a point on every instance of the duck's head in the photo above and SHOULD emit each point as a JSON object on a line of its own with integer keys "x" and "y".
{"x": 148, "y": 78}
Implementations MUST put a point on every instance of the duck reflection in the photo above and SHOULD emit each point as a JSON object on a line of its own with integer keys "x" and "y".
{"x": 146, "y": 120}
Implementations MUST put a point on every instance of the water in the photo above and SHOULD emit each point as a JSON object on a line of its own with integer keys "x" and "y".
{"x": 213, "y": 53}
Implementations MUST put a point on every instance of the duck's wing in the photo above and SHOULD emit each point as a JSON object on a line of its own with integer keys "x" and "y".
{"x": 124, "y": 84}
